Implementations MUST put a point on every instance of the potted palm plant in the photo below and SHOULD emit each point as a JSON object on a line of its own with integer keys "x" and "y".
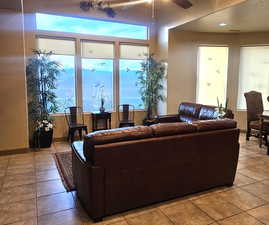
{"x": 150, "y": 80}
{"x": 41, "y": 73}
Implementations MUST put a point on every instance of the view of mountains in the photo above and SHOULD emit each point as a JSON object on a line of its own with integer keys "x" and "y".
{"x": 95, "y": 84}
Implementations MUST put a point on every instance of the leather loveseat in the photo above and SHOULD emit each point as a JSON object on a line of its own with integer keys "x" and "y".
{"x": 190, "y": 112}
{"x": 120, "y": 169}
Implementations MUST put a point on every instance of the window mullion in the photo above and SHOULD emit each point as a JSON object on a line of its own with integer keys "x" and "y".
{"x": 116, "y": 80}
{"x": 78, "y": 74}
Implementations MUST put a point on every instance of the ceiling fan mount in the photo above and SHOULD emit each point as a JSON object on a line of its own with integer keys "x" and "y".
{"x": 185, "y": 4}
{"x": 108, "y": 6}
{"x": 103, "y": 6}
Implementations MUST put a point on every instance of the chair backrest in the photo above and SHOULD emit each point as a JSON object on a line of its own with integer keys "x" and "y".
{"x": 254, "y": 105}
{"x": 126, "y": 112}
{"x": 74, "y": 115}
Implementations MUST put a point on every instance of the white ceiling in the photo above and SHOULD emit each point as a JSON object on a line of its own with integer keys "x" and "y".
{"x": 250, "y": 16}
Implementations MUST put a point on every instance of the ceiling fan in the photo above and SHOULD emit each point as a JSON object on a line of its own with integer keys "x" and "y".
{"x": 185, "y": 4}
{"x": 109, "y": 6}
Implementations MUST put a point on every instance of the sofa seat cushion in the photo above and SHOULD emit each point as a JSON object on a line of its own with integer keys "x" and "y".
{"x": 209, "y": 125}
{"x": 187, "y": 119}
{"x": 189, "y": 109}
{"x": 78, "y": 147}
{"x": 166, "y": 129}
{"x": 208, "y": 113}
{"x": 112, "y": 136}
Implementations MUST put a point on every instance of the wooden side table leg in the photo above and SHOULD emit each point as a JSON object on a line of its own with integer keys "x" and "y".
{"x": 80, "y": 134}
{"x": 72, "y": 131}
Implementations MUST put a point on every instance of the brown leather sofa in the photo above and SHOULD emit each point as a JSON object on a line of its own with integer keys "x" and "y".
{"x": 190, "y": 112}
{"x": 120, "y": 169}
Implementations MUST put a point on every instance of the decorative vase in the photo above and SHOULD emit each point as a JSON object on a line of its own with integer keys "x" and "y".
{"x": 102, "y": 108}
{"x": 42, "y": 138}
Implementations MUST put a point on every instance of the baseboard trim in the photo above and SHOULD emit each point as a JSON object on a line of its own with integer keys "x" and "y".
{"x": 64, "y": 139}
{"x": 15, "y": 151}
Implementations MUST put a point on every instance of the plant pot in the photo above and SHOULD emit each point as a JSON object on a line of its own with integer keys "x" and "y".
{"x": 42, "y": 138}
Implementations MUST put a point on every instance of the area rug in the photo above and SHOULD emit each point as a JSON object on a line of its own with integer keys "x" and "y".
{"x": 64, "y": 165}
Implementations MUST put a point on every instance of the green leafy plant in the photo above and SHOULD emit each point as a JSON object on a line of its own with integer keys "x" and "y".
{"x": 41, "y": 73}
{"x": 222, "y": 109}
{"x": 150, "y": 80}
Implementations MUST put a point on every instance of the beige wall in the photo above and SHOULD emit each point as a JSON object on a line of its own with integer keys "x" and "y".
{"x": 13, "y": 112}
{"x": 182, "y": 60}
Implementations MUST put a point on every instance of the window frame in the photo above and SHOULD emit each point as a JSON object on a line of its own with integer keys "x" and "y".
{"x": 114, "y": 71}
{"x": 137, "y": 109}
{"x": 239, "y": 74}
{"x": 37, "y": 36}
{"x": 198, "y": 68}
{"x": 79, "y": 38}
{"x": 147, "y": 25}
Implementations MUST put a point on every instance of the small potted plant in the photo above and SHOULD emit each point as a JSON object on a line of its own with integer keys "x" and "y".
{"x": 223, "y": 111}
{"x": 43, "y": 134}
{"x": 41, "y": 73}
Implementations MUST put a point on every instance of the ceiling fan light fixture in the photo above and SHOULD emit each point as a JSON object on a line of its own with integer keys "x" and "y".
{"x": 85, "y": 5}
{"x": 110, "y": 12}
{"x": 223, "y": 24}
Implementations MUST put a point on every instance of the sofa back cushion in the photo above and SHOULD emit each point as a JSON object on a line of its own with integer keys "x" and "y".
{"x": 208, "y": 113}
{"x": 210, "y": 125}
{"x": 166, "y": 129}
{"x": 112, "y": 136}
{"x": 189, "y": 109}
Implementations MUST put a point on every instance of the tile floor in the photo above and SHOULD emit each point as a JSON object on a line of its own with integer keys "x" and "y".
{"x": 32, "y": 193}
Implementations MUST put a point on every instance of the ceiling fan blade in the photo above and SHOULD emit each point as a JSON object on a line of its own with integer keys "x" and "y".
{"x": 183, "y": 3}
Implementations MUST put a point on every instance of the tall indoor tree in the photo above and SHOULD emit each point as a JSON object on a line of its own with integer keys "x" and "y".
{"x": 150, "y": 81}
{"x": 41, "y": 73}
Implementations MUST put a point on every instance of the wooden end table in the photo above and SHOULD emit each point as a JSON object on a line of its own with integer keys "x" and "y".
{"x": 101, "y": 121}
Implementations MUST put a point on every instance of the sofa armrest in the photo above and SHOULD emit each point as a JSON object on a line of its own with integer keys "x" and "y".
{"x": 168, "y": 118}
{"x": 89, "y": 183}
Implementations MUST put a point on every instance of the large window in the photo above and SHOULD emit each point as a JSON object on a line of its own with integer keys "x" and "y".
{"x": 63, "y": 53}
{"x": 94, "y": 69}
{"x": 130, "y": 62}
{"x": 89, "y": 26}
{"x": 97, "y": 75}
{"x": 212, "y": 75}
{"x": 253, "y": 74}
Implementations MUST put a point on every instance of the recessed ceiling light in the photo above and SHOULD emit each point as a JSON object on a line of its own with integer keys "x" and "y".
{"x": 222, "y": 24}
